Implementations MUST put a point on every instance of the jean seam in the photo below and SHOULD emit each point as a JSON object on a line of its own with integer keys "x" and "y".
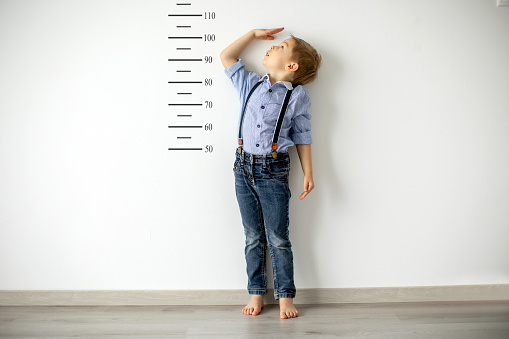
{"x": 264, "y": 247}
{"x": 274, "y": 269}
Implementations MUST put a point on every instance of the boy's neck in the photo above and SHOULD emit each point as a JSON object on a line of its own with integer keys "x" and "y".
{"x": 274, "y": 78}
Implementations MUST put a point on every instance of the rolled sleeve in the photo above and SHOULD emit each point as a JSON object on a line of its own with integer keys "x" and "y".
{"x": 301, "y": 128}
{"x": 241, "y": 78}
{"x": 234, "y": 69}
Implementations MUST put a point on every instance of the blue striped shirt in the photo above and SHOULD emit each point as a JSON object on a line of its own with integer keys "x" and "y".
{"x": 263, "y": 109}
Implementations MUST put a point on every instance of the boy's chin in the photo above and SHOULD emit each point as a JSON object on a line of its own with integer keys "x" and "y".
{"x": 266, "y": 64}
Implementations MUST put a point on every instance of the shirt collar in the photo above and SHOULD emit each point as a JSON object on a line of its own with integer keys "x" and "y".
{"x": 288, "y": 84}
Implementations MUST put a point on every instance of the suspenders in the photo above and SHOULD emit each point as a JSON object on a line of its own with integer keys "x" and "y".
{"x": 244, "y": 110}
{"x": 279, "y": 123}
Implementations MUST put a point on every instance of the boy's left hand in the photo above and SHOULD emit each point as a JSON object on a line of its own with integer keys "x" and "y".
{"x": 308, "y": 186}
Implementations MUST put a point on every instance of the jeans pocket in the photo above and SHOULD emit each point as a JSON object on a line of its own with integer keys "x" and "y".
{"x": 278, "y": 167}
{"x": 236, "y": 165}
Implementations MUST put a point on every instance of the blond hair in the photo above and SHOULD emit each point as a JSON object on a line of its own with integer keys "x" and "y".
{"x": 309, "y": 61}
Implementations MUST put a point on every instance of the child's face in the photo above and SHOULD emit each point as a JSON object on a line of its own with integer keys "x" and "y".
{"x": 279, "y": 57}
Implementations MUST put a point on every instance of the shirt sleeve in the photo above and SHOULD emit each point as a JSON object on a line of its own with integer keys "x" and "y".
{"x": 242, "y": 79}
{"x": 301, "y": 127}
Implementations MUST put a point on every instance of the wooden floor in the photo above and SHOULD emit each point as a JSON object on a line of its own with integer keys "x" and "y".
{"x": 462, "y": 320}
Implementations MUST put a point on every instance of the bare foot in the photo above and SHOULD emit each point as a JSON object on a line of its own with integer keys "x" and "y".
{"x": 287, "y": 309}
{"x": 255, "y": 305}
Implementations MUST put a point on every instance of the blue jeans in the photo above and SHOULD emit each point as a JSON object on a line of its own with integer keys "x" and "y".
{"x": 263, "y": 195}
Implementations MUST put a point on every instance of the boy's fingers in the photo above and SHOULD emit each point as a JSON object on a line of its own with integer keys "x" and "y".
{"x": 273, "y": 31}
{"x": 303, "y": 195}
{"x": 266, "y": 34}
{"x": 276, "y": 30}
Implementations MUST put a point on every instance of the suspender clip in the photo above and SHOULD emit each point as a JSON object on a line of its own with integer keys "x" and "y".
{"x": 239, "y": 149}
{"x": 273, "y": 147}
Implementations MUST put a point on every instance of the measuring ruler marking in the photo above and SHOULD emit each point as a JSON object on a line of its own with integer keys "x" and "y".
{"x": 179, "y": 35}
{"x": 185, "y": 37}
{"x": 185, "y": 149}
{"x": 185, "y": 59}
{"x": 185, "y": 14}
{"x": 185, "y": 126}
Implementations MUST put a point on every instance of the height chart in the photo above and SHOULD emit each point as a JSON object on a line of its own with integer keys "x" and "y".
{"x": 190, "y": 63}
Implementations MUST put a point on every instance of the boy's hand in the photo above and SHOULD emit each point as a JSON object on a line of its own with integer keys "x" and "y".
{"x": 231, "y": 53}
{"x": 308, "y": 186}
{"x": 266, "y": 34}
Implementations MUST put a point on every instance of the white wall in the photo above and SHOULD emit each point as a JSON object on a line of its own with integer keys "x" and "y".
{"x": 411, "y": 144}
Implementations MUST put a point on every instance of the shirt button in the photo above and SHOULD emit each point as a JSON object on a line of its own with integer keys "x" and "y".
{"x": 258, "y": 126}
{"x": 257, "y": 145}
{"x": 263, "y": 107}
{"x": 270, "y": 91}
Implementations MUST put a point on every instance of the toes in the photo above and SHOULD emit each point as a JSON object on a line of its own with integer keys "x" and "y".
{"x": 289, "y": 314}
{"x": 248, "y": 311}
{"x": 252, "y": 310}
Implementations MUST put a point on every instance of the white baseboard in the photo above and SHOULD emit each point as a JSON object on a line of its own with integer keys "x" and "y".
{"x": 498, "y": 292}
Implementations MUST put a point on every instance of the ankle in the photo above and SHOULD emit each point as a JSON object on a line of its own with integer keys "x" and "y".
{"x": 286, "y": 300}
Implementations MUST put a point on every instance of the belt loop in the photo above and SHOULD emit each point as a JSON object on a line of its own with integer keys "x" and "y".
{"x": 242, "y": 157}
{"x": 264, "y": 159}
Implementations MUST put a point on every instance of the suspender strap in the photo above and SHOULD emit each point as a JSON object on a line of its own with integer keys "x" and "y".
{"x": 244, "y": 111}
{"x": 279, "y": 123}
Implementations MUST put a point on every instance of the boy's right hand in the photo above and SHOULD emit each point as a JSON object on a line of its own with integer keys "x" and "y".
{"x": 230, "y": 54}
{"x": 266, "y": 34}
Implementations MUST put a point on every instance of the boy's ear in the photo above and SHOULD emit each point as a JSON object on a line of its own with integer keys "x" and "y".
{"x": 292, "y": 67}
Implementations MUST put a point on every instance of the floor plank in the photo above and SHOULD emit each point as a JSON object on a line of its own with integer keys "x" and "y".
{"x": 465, "y": 320}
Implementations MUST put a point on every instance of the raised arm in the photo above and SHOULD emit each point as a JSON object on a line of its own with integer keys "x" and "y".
{"x": 231, "y": 53}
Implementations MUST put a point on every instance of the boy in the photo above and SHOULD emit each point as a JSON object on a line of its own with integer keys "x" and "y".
{"x": 274, "y": 117}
